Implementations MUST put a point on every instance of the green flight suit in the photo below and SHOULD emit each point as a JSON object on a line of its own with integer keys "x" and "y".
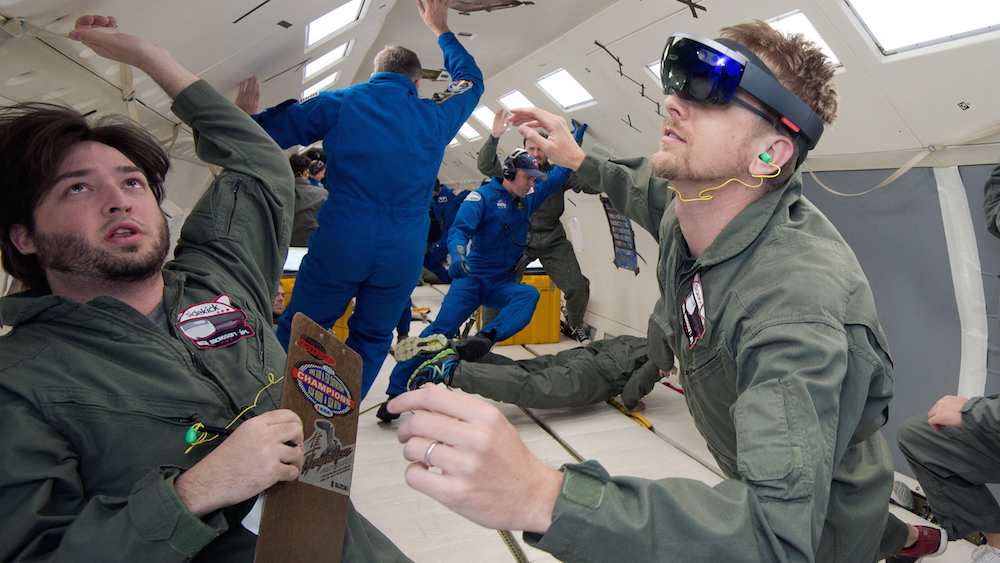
{"x": 548, "y": 241}
{"x": 571, "y": 378}
{"x": 789, "y": 384}
{"x": 96, "y": 399}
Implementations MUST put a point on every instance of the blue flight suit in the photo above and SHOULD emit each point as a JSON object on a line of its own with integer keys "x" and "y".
{"x": 444, "y": 209}
{"x": 384, "y": 146}
{"x": 497, "y": 224}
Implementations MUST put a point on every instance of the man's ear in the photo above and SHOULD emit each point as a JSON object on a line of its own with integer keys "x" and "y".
{"x": 780, "y": 150}
{"x": 22, "y": 240}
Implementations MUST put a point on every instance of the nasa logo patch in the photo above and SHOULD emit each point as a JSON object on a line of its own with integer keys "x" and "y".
{"x": 320, "y": 384}
{"x": 501, "y": 204}
{"x": 214, "y": 324}
{"x": 454, "y": 89}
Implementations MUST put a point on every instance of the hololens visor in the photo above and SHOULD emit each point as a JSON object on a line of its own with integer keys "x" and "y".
{"x": 709, "y": 72}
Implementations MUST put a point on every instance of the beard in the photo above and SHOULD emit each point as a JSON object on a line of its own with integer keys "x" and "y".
{"x": 72, "y": 254}
{"x": 673, "y": 162}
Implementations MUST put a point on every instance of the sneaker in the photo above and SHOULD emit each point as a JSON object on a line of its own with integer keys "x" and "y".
{"x": 931, "y": 542}
{"x": 383, "y": 411}
{"x": 420, "y": 346}
{"x": 901, "y": 495}
{"x": 438, "y": 369}
{"x": 986, "y": 554}
{"x": 473, "y": 347}
{"x": 582, "y": 334}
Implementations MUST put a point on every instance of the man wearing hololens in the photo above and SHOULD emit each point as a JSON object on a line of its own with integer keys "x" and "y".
{"x": 784, "y": 364}
{"x": 495, "y": 219}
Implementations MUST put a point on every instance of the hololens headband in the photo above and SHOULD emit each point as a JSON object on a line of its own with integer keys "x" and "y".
{"x": 709, "y": 72}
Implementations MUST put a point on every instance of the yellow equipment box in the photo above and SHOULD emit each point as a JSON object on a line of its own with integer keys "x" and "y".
{"x": 339, "y": 327}
{"x": 544, "y": 325}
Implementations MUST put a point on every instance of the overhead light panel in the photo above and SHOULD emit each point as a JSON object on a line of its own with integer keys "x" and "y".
{"x": 654, "y": 69}
{"x": 796, "y": 22}
{"x": 326, "y": 61}
{"x": 902, "y": 25}
{"x": 321, "y": 85}
{"x": 514, "y": 100}
{"x": 469, "y": 132}
{"x": 333, "y": 22}
{"x": 454, "y": 142}
{"x": 485, "y": 116}
{"x": 565, "y": 90}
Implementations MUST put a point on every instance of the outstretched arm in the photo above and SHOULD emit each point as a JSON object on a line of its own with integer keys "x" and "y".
{"x": 131, "y": 50}
{"x": 435, "y": 15}
{"x": 487, "y": 473}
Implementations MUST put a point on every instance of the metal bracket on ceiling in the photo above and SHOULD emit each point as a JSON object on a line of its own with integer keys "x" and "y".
{"x": 691, "y": 4}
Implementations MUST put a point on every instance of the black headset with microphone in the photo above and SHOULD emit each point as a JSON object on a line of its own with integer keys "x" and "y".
{"x": 509, "y": 171}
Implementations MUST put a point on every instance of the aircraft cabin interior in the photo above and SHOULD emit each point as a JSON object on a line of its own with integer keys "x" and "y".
{"x": 900, "y": 174}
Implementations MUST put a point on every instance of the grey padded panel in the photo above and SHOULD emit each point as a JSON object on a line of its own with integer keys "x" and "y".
{"x": 974, "y": 178}
{"x": 898, "y": 236}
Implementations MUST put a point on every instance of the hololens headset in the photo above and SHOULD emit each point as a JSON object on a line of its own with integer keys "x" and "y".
{"x": 709, "y": 72}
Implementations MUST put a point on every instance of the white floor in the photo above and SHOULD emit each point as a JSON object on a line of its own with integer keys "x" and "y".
{"x": 428, "y": 532}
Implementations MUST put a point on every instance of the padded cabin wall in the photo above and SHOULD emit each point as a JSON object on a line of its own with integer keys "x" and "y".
{"x": 974, "y": 178}
{"x": 897, "y": 233}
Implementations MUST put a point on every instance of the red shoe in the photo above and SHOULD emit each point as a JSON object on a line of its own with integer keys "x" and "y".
{"x": 931, "y": 542}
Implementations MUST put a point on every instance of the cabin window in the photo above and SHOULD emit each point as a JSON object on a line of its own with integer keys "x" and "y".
{"x": 469, "y": 132}
{"x": 565, "y": 90}
{"x": 324, "y": 84}
{"x": 903, "y": 25}
{"x": 326, "y": 61}
{"x": 333, "y": 22}
{"x": 513, "y": 100}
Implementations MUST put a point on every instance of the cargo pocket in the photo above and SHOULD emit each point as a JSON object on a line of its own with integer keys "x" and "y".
{"x": 766, "y": 455}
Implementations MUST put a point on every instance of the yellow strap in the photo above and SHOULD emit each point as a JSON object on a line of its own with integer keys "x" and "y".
{"x": 641, "y": 420}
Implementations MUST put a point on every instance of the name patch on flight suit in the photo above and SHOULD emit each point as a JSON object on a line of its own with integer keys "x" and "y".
{"x": 455, "y": 88}
{"x": 693, "y": 313}
{"x": 214, "y": 324}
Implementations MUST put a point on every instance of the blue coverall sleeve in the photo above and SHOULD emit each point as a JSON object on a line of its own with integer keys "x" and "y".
{"x": 554, "y": 180}
{"x": 460, "y": 64}
{"x": 470, "y": 213}
{"x": 292, "y": 123}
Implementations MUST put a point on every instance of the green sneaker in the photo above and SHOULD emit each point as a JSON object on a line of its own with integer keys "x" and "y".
{"x": 438, "y": 369}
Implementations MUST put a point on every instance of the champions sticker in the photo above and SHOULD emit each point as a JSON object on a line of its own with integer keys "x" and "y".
{"x": 327, "y": 464}
{"x": 328, "y": 394}
{"x": 474, "y": 196}
{"x": 214, "y": 324}
{"x": 455, "y": 88}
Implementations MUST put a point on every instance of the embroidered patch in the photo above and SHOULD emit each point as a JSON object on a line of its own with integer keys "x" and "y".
{"x": 442, "y": 199}
{"x": 214, "y": 324}
{"x": 327, "y": 464}
{"x": 693, "y": 314}
{"x": 320, "y": 384}
{"x": 455, "y": 88}
{"x": 474, "y": 196}
{"x": 501, "y": 204}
